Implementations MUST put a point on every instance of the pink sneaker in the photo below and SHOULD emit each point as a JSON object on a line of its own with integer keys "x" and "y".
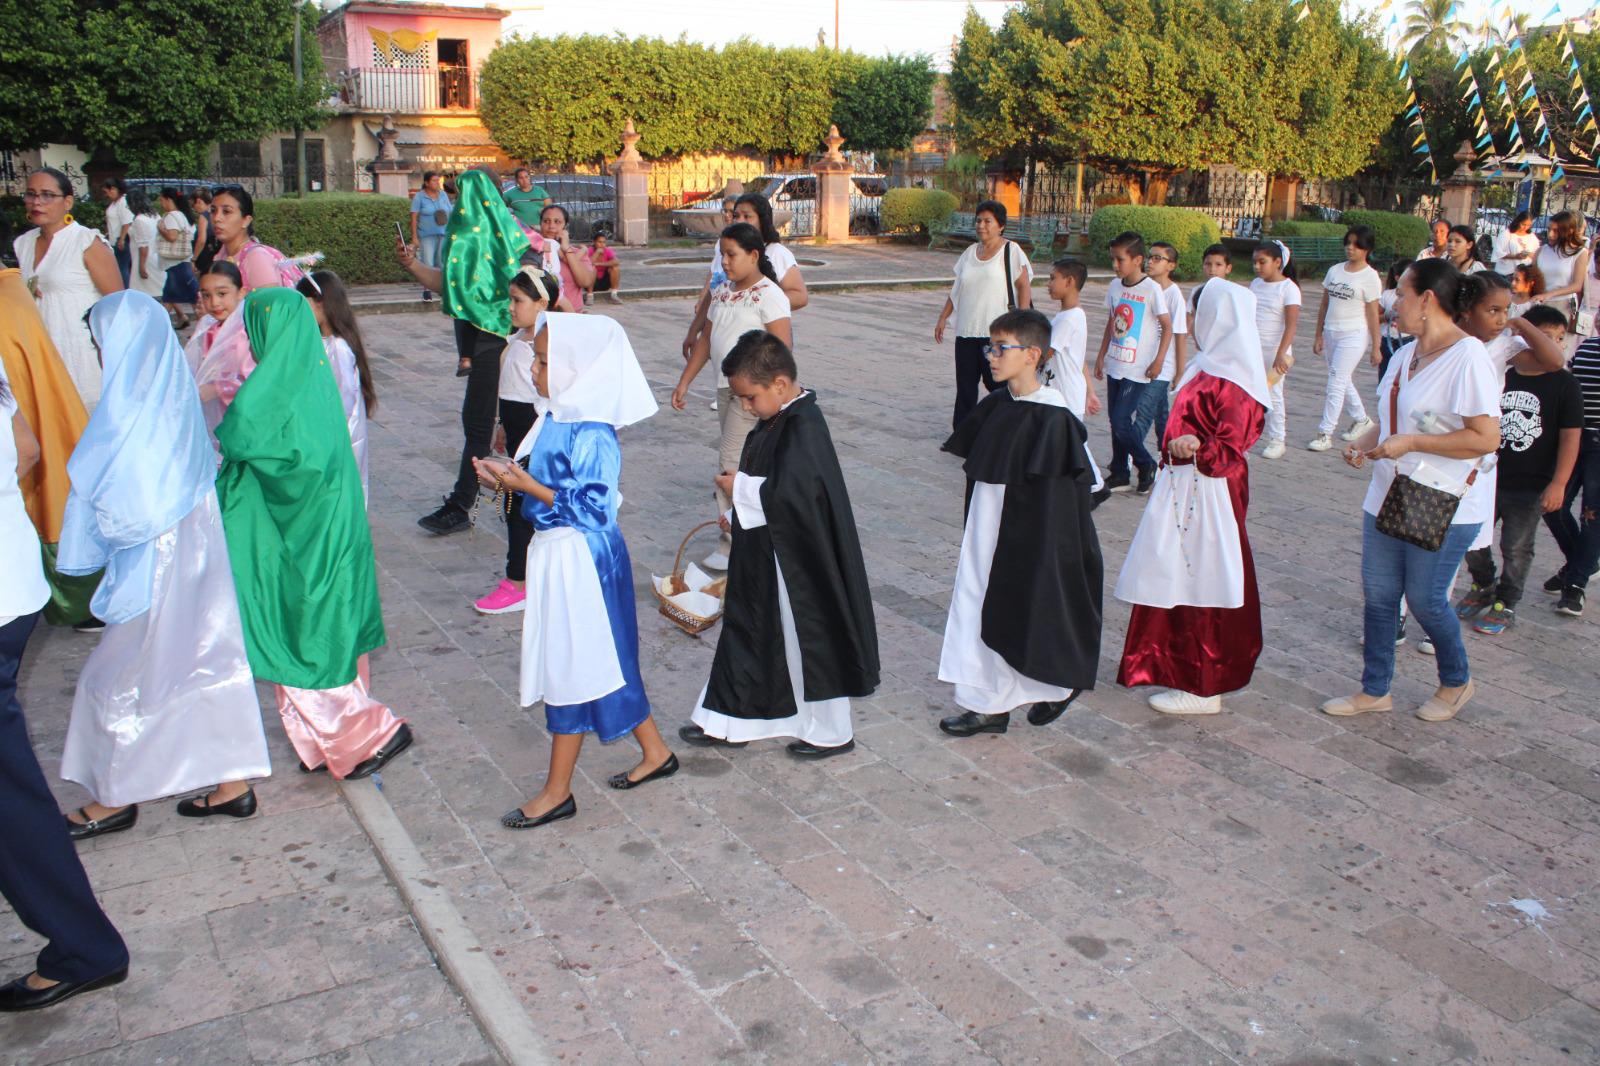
{"x": 505, "y": 598}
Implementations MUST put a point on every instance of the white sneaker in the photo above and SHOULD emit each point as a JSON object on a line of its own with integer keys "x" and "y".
{"x": 1355, "y": 432}
{"x": 1425, "y": 646}
{"x": 717, "y": 560}
{"x": 1274, "y": 450}
{"x": 713, "y": 405}
{"x": 1322, "y": 444}
{"x": 1176, "y": 701}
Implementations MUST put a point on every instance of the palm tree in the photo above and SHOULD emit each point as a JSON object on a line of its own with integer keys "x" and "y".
{"x": 1432, "y": 24}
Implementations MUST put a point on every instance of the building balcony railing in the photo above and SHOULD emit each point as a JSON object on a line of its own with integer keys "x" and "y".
{"x": 409, "y": 91}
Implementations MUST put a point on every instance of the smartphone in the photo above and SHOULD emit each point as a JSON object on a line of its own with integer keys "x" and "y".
{"x": 400, "y": 233}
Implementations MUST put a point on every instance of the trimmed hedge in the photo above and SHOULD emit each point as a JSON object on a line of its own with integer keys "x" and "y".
{"x": 354, "y": 230}
{"x": 1187, "y": 230}
{"x": 1398, "y": 235}
{"x": 911, "y": 210}
{"x": 1308, "y": 229}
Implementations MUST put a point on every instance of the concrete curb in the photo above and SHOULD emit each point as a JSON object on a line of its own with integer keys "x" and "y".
{"x": 659, "y": 292}
{"x": 459, "y": 954}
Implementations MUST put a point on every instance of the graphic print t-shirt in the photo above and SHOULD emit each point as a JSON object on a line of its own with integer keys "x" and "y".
{"x": 1534, "y": 409}
{"x": 1348, "y": 294}
{"x": 1135, "y": 328}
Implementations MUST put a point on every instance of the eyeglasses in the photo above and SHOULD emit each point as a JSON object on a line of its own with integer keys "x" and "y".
{"x": 44, "y": 197}
{"x": 999, "y": 349}
{"x": 1160, "y": 259}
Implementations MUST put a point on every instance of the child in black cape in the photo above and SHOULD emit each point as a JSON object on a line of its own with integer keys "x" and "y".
{"x": 1024, "y": 624}
{"x": 798, "y": 636}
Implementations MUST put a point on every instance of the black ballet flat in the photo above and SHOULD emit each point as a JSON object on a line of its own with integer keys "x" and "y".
{"x": 1045, "y": 713}
{"x": 380, "y": 758}
{"x": 970, "y": 723}
{"x": 693, "y": 734}
{"x": 666, "y": 769}
{"x": 515, "y": 819}
{"x": 111, "y": 823}
{"x": 802, "y": 749}
{"x": 17, "y": 996}
{"x": 200, "y": 807}
{"x": 311, "y": 769}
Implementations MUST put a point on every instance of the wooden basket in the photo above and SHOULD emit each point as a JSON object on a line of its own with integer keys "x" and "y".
{"x": 691, "y": 623}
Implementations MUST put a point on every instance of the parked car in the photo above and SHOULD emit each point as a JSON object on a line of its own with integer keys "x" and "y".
{"x": 796, "y": 195}
{"x": 590, "y": 200}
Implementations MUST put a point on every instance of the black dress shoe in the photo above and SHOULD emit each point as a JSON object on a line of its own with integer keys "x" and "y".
{"x": 88, "y": 625}
{"x": 1098, "y": 497}
{"x": 515, "y": 819}
{"x": 446, "y": 520}
{"x": 666, "y": 769}
{"x": 1045, "y": 713}
{"x": 802, "y": 749}
{"x": 111, "y": 823}
{"x": 693, "y": 734}
{"x": 17, "y": 996}
{"x": 311, "y": 770}
{"x": 238, "y": 807}
{"x": 380, "y": 758}
{"x": 968, "y": 723}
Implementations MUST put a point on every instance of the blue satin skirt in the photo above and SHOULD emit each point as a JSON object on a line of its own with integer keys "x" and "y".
{"x": 618, "y": 713}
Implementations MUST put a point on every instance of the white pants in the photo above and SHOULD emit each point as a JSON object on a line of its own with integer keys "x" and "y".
{"x": 1344, "y": 351}
{"x": 1277, "y": 419}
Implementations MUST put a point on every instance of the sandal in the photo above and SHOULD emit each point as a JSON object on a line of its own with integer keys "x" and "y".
{"x": 463, "y": 367}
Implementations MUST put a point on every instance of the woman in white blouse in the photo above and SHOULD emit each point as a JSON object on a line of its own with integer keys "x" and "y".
{"x": 1563, "y": 261}
{"x": 1516, "y": 246}
{"x": 980, "y": 296}
{"x": 1438, "y": 414}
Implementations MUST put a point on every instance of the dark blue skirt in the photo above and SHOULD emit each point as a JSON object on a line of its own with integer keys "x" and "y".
{"x": 181, "y": 287}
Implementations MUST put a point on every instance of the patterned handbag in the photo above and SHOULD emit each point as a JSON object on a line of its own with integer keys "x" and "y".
{"x": 1413, "y": 512}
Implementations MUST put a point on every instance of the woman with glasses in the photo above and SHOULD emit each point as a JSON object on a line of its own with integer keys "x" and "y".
{"x": 67, "y": 267}
{"x": 979, "y": 296}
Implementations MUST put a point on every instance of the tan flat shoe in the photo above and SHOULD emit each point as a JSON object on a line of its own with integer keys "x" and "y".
{"x": 1441, "y": 710}
{"x": 1347, "y": 707}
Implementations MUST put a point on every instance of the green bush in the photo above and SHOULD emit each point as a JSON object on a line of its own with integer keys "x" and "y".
{"x": 354, "y": 230}
{"x": 92, "y": 213}
{"x": 911, "y": 210}
{"x": 1187, "y": 230}
{"x": 1398, "y": 235}
{"x": 1308, "y": 229}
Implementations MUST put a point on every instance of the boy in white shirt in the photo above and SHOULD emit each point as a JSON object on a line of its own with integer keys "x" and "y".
{"x": 1161, "y": 262}
{"x": 1132, "y": 351}
{"x": 1068, "y": 372}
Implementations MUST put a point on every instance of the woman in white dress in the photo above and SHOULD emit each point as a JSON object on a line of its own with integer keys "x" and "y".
{"x": 166, "y": 702}
{"x": 67, "y": 267}
{"x": 145, "y": 275}
{"x": 1516, "y": 246}
{"x": 1563, "y": 261}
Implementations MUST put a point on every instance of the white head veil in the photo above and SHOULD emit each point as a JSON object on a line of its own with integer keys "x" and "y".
{"x": 594, "y": 375}
{"x": 1224, "y": 332}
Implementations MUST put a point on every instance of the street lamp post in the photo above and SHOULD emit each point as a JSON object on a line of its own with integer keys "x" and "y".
{"x": 299, "y": 130}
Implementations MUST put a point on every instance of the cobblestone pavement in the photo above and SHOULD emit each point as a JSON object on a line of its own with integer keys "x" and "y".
{"x": 1265, "y": 886}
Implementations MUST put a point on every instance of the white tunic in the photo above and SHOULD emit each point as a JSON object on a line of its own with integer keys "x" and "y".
{"x": 984, "y": 681}
{"x": 166, "y": 702}
{"x": 65, "y": 292}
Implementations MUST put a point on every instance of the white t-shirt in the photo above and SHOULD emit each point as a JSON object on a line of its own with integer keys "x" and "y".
{"x": 1508, "y": 243}
{"x": 118, "y": 215}
{"x": 1271, "y": 299}
{"x": 734, "y": 312}
{"x": 1347, "y": 294}
{"x": 979, "y": 294}
{"x": 1135, "y": 328}
{"x": 1069, "y": 339}
{"x": 516, "y": 370}
{"x": 1462, "y": 381}
{"x": 781, "y": 258}
{"x": 1178, "y": 314}
{"x": 22, "y": 586}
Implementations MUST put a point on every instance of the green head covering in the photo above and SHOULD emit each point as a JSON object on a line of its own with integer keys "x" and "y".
{"x": 483, "y": 248}
{"x": 292, "y": 506}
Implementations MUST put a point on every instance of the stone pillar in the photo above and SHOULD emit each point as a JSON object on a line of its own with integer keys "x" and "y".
{"x": 632, "y": 172}
{"x": 1461, "y": 189}
{"x": 833, "y": 191}
{"x": 1284, "y": 201}
{"x": 391, "y": 175}
{"x": 1005, "y": 185}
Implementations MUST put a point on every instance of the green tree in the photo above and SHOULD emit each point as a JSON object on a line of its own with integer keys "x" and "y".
{"x": 882, "y": 103}
{"x": 156, "y": 82}
{"x": 1432, "y": 24}
{"x": 1145, "y": 88}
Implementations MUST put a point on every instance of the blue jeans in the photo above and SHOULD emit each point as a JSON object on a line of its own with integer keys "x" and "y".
{"x": 428, "y": 249}
{"x": 1123, "y": 396}
{"x": 124, "y": 254}
{"x": 1152, "y": 411}
{"x": 1579, "y": 538}
{"x": 1391, "y": 568}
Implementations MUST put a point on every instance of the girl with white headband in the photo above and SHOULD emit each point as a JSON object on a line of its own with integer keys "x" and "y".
{"x": 1277, "y": 291}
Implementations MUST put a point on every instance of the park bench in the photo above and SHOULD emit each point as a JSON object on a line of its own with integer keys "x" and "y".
{"x": 1037, "y": 233}
{"x": 1314, "y": 249}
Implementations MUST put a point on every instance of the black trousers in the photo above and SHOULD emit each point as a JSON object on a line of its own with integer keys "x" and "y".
{"x": 40, "y": 873}
{"x": 478, "y": 405}
{"x": 517, "y": 418}
{"x": 1518, "y": 514}
{"x": 971, "y": 367}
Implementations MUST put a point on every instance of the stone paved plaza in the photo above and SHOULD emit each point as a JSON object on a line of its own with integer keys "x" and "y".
{"x": 1269, "y": 885}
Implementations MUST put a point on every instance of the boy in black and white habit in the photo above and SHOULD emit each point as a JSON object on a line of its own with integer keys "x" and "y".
{"x": 798, "y": 636}
{"x": 1024, "y": 624}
